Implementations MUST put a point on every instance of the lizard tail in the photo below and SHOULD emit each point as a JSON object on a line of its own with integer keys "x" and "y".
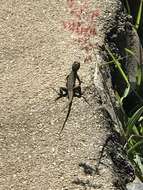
{"x": 69, "y": 109}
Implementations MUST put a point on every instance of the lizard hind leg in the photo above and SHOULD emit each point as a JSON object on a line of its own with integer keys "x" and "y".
{"x": 79, "y": 94}
{"x": 77, "y": 91}
{"x": 63, "y": 93}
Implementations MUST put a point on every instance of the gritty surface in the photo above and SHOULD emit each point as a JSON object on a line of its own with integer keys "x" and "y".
{"x": 37, "y": 48}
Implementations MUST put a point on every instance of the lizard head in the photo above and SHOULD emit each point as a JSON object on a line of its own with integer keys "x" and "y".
{"x": 75, "y": 66}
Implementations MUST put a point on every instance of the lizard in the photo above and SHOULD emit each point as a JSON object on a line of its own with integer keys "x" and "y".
{"x": 70, "y": 90}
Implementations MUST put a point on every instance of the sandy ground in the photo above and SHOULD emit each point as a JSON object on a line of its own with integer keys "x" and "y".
{"x": 39, "y": 40}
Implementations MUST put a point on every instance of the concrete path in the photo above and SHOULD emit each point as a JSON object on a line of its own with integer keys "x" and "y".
{"x": 39, "y": 41}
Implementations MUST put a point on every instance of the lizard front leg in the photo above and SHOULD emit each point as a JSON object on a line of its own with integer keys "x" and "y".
{"x": 78, "y": 80}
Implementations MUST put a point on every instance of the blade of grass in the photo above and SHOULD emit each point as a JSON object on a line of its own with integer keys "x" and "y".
{"x": 128, "y": 7}
{"x": 139, "y": 76}
{"x": 117, "y": 63}
{"x": 132, "y": 121}
{"x": 132, "y": 137}
{"x": 111, "y": 62}
{"x": 130, "y": 51}
{"x": 135, "y": 146}
{"x": 135, "y": 130}
{"x": 139, "y": 15}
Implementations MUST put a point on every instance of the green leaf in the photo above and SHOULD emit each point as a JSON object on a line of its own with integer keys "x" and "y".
{"x": 138, "y": 20}
{"x": 133, "y": 120}
{"x": 130, "y": 51}
{"x": 118, "y": 65}
{"x": 135, "y": 146}
{"x": 128, "y": 7}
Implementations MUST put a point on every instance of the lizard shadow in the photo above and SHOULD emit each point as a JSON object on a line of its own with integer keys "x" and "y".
{"x": 114, "y": 149}
{"x": 86, "y": 183}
